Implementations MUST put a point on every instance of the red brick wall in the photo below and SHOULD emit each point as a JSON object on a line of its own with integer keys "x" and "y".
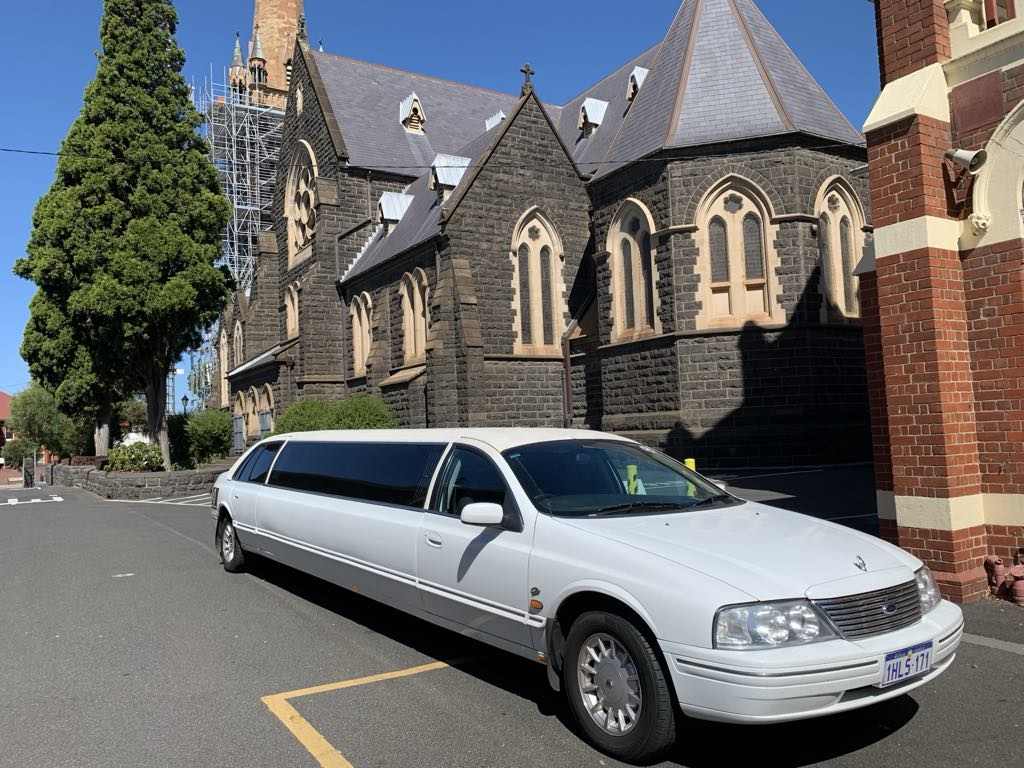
{"x": 912, "y": 34}
{"x": 905, "y": 169}
{"x": 994, "y": 288}
{"x": 968, "y": 134}
{"x": 872, "y": 328}
{"x": 956, "y": 558}
{"x": 928, "y": 377}
{"x": 1006, "y": 541}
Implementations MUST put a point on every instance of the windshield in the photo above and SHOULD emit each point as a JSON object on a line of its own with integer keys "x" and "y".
{"x": 591, "y": 478}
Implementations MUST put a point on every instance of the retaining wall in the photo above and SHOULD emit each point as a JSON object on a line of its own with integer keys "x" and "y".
{"x": 132, "y": 485}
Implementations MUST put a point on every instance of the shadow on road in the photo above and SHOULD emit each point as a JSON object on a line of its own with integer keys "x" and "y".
{"x": 700, "y": 744}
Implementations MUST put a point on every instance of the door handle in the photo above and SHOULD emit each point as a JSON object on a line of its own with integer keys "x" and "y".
{"x": 434, "y": 540}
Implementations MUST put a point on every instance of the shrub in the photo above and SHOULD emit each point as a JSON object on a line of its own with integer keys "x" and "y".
{"x": 181, "y": 446}
{"x": 357, "y": 412}
{"x": 140, "y": 457}
{"x": 209, "y": 435}
{"x": 364, "y": 412}
{"x": 16, "y": 451}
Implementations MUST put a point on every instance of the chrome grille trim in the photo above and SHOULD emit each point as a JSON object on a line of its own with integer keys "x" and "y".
{"x": 858, "y": 616}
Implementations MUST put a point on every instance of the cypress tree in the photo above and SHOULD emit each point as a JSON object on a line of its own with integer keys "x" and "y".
{"x": 124, "y": 244}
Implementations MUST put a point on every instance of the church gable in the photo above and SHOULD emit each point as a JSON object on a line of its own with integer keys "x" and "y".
{"x": 520, "y": 223}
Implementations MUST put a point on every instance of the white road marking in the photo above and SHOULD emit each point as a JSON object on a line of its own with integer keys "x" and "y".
{"x": 122, "y": 575}
{"x": 19, "y": 502}
{"x": 999, "y": 645}
{"x": 200, "y": 500}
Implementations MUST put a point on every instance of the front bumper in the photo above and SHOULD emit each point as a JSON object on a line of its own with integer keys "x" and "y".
{"x": 804, "y": 681}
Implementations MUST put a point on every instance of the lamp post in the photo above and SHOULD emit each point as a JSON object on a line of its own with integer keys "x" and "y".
{"x": 184, "y": 404}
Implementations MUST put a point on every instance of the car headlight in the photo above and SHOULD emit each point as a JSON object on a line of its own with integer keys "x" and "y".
{"x": 928, "y": 589}
{"x": 770, "y": 625}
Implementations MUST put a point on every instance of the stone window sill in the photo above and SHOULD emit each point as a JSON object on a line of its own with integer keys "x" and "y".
{"x": 404, "y": 376}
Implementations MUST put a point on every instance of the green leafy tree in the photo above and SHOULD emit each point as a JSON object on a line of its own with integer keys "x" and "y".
{"x": 124, "y": 244}
{"x": 36, "y": 419}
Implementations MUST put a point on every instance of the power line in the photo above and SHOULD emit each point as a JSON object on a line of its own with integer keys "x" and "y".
{"x": 516, "y": 166}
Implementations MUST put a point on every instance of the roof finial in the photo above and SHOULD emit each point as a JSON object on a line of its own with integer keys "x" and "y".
{"x": 257, "y": 52}
{"x": 236, "y": 59}
{"x": 528, "y": 73}
{"x": 321, "y": 43}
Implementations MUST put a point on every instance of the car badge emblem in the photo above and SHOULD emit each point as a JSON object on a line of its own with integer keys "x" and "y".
{"x": 889, "y": 609}
{"x": 859, "y": 562}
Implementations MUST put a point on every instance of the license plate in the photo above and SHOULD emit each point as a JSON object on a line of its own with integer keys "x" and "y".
{"x": 906, "y": 663}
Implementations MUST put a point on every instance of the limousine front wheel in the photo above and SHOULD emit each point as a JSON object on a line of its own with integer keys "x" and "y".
{"x": 617, "y": 687}
{"x": 231, "y": 554}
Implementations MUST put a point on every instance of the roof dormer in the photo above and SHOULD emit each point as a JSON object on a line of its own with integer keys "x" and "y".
{"x": 592, "y": 115}
{"x": 495, "y": 119}
{"x": 636, "y": 82}
{"x": 446, "y": 173}
{"x": 411, "y": 114}
{"x": 392, "y": 208}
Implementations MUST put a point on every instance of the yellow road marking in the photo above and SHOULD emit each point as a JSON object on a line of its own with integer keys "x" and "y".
{"x": 308, "y": 736}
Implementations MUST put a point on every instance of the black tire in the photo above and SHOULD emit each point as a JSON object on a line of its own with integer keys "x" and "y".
{"x": 232, "y": 557}
{"x": 655, "y": 728}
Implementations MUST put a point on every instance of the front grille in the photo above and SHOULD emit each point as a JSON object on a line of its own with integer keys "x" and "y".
{"x": 874, "y": 613}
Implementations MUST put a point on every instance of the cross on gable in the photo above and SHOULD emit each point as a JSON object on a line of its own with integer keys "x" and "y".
{"x": 528, "y": 73}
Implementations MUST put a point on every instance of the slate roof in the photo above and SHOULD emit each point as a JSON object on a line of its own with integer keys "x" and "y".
{"x": 365, "y": 99}
{"x": 422, "y": 219}
{"x": 722, "y": 73}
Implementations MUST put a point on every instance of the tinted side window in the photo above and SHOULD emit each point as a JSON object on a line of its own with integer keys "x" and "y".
{"x": 243, "y": 471}
{"x": 258, "y": 468}
{"x": 386, "y": 473}
{"x": 469, "y": 479}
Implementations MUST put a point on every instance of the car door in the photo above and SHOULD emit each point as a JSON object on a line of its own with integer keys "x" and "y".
{"x": 247, "y": 485}
{"x": 475, "y": 577}
{"x": 350, "y": 513}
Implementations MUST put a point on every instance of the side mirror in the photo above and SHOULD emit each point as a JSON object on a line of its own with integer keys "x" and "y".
{"x": 482, "y": 515}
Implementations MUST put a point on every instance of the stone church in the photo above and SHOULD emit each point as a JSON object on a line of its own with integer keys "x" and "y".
{"x": 672, "y": 254}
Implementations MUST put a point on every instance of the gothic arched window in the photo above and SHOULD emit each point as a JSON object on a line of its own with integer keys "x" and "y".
{"x": 301, "y": 202}
{"x": 538, "y": 287}
{"x": 840, "y": 244}
{"x": 224, "y": 365}
{"x": 239, "y": 344}
{"x": 737, "y": 257}
{"x": 361, "y": 316}
{"x": 291, "y": 311}
{"x": 415, "y": 315}
{"x": 634, "y": 273}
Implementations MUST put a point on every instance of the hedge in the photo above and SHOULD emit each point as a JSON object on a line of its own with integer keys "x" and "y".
{"x": 356, "y": 412}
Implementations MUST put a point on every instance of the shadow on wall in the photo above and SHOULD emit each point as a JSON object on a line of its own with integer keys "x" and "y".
{"x": 801, "y": 389}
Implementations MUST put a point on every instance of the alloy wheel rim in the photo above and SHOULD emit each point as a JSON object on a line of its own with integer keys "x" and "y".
{"x": 227, "y": 542}
{"x": 609, "y": 684}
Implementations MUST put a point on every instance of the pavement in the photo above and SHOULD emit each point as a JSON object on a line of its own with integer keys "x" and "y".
{"x": 124, "y": 643}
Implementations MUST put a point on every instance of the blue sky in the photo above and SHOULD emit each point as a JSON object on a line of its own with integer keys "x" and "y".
{"x": 49, "y": 53}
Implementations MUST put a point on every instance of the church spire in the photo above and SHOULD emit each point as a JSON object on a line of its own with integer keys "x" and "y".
{"x": 236, "y": 59}
{"x": 276, "y": 27}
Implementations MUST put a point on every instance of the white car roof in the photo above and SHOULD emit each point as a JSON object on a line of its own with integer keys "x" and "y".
{"x": 501, "y": 439}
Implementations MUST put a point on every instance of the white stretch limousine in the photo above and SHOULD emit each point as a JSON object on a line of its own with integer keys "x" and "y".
{"x": 638, "y": 582}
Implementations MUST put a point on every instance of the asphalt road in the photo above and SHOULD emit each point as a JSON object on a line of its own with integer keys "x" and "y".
{"x": 124, "y": 643}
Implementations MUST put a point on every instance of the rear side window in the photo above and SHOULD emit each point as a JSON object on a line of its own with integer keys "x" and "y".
{"x": 256, "y": 470}
{"x": 385, "y": 473}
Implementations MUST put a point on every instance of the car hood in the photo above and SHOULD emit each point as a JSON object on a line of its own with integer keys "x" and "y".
{"x": 769, "y": 553}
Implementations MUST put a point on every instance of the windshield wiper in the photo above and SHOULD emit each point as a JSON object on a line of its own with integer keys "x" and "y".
{"x": 631, "y": 505}
{"x": 711, "y": 500}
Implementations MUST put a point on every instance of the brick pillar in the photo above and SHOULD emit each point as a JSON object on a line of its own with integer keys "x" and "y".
{"x": 915, "y": 314}
{"x": 911, "y": 34}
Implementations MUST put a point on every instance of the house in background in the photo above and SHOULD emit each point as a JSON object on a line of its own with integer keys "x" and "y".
{"x": 5, "y": 416}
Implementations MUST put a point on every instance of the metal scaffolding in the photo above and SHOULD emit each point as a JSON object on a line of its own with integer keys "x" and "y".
{"x": 244, "y": 135}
